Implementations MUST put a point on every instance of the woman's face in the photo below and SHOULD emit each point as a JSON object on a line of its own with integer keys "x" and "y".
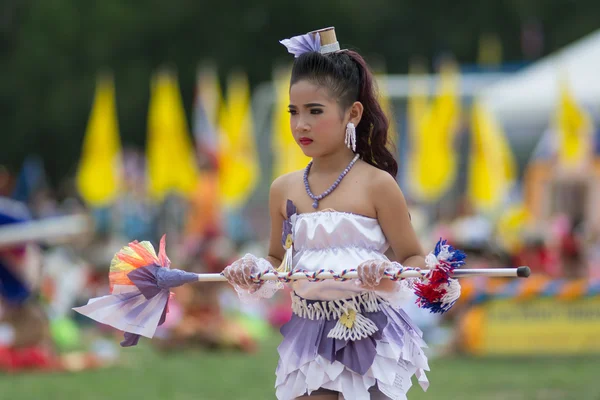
{"x": 316, "y": 120}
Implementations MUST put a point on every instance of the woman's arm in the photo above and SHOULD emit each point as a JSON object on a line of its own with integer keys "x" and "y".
{"x": 240, "y": 273}
{"x": 276, "y": 202}
{"x": 394, "y": 219}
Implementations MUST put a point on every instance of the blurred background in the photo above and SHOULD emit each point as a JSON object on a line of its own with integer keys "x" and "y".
{"x": 126, "y": 120}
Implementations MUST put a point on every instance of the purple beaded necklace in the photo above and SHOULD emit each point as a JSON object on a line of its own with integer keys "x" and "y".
{"x": 326, "y": 193}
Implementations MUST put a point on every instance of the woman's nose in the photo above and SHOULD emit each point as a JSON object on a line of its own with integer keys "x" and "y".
{"x": 302, "y": 126}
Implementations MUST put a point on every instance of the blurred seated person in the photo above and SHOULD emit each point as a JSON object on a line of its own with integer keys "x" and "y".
{"x": 535, "y": 254}
{"x": 24, "y": 329}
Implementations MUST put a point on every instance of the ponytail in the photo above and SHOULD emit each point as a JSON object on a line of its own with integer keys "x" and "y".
{"x": 349, "y": 79}
{"x": 372, "y": 131}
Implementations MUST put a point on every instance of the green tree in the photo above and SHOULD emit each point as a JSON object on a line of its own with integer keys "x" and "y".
{"x": 51, "y": 51}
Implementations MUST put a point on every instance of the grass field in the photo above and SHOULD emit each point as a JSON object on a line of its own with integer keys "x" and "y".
{"x": 204, "y": 375}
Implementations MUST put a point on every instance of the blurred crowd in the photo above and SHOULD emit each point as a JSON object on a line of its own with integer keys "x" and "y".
{"x": 42, "y": 281}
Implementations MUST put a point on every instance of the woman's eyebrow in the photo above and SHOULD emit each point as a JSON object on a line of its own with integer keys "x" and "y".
{"x": 313, "y": 105}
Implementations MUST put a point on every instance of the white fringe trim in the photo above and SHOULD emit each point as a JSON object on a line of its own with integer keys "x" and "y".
{"x": 362, "y": 328}
{"x": 333, "y": 309}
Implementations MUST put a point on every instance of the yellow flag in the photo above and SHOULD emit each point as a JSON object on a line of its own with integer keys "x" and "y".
{"x": 288, "y": 156}
{"x": 433, "y": 162}
{"x": 492, "y": 166}
{"x": 574, "y": 129}
{"x": 98, "y": 173}
{"x": 171, "y": 160}
{"x": 239, "y": 168}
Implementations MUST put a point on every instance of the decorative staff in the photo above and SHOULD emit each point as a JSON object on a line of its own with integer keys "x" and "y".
{"x": 140, "y": 282}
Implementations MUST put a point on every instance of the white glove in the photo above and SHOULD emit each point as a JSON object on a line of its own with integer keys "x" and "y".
{"x": 240, "y": 275}
{"x": 371, "y": 272}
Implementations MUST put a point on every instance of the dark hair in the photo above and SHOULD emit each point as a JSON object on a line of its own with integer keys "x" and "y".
{"x": 349, "y": 79}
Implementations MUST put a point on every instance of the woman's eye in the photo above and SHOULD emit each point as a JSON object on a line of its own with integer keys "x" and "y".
{"x": 316, "y": 111}
{"x": 293, "y": 112}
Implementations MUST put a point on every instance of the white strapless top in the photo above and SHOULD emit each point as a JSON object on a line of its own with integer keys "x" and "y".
{"x": 334, "y": 240}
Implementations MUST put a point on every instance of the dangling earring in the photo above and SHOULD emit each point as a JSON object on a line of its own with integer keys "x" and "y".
{"x": 350, "y": 136}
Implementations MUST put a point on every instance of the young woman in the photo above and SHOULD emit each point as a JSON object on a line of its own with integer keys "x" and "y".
{"x": 346, "y": 339}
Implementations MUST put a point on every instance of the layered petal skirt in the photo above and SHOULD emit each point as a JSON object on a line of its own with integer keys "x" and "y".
{"x": 349, "y": 346}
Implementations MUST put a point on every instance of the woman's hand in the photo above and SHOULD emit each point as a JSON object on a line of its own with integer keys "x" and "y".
{"x": 371, "y": 272}
{"x": 240, "y": 274}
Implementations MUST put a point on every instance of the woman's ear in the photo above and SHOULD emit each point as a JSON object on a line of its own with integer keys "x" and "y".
{"x": 356, "y": 111}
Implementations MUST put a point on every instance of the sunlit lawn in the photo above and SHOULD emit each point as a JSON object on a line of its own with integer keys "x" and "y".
{"x": 148, "y": 375}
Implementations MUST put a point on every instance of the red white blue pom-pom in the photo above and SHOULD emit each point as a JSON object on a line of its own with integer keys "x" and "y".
{"x": 438, "y": 291}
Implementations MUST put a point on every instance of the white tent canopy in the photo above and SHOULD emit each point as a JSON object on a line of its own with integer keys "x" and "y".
{"x": 532, "y": 93}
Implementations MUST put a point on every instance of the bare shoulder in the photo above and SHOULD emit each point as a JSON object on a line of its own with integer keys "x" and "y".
{"x": 281, "y": 184}
{"x": 379, "y": 181}
{"x": 281, "y": 190}
{"x": 384, "y": 191}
